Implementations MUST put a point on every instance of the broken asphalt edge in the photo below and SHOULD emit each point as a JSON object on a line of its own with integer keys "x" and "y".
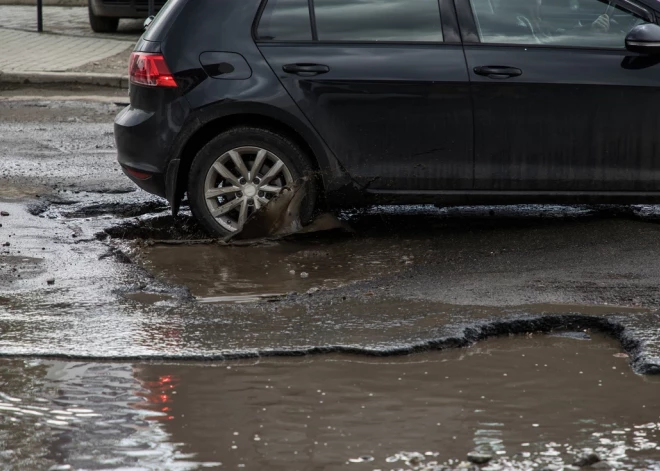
{"x": 641, "y": 361}
{"x": 65, "y": 78}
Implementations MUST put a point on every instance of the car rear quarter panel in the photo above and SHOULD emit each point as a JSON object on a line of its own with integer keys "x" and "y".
{"x": 226, "y": 26}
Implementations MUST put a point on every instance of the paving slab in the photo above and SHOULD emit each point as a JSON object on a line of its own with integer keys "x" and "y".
{"x": 71, "y": 21}
{"x": 67, "y": 52}
{"x": 32, "y": 52}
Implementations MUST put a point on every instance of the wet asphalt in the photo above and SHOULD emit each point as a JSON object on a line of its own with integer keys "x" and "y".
{"x": 108, "y": 305}
{"x": 91, "y": 257}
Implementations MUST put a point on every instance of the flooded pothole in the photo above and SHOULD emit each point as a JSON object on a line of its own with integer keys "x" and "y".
{"x": 216, "y": 273}
{"x": 517, "y": 255}
{"x": 530, "y": 402}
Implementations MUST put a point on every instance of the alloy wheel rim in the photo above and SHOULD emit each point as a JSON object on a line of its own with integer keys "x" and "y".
{"x": 242, "y": 181}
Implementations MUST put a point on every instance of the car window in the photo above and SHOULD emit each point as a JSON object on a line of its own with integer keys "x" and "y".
{"x": 583, "y": 23}
{"x": 378, "y": 20}
{"x": 285, "y": 20}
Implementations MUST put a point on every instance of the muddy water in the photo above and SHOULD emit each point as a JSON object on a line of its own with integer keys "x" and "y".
{"x": 528, "y": 401}
{"x": 383, "y": 244}
{"x": 242, "y": 274}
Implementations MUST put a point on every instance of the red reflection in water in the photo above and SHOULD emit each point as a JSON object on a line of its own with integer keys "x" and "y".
{"x": 157, "y": 393}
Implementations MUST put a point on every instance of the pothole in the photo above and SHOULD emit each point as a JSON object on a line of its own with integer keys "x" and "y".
{"x": 515, "y": 403}
{"x": 120, "y": 210}
{"x": 161, "y": 227}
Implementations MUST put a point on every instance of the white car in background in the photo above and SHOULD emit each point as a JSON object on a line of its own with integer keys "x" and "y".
{"x": 104, "y": 15}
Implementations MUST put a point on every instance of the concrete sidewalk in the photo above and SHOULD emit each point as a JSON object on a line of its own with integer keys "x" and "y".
{"x": 67, "y": 52}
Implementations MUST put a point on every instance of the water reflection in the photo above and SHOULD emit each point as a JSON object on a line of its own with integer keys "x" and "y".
{"x": 61, "y": 415}
{"x": 525, "y": 401}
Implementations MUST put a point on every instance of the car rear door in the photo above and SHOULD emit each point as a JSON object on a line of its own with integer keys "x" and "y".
{"x": 560, "y": 105}
{"x": 382, "y": 85}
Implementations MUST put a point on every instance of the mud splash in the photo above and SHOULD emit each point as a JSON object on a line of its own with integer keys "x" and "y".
{"x": 282, "y": 218}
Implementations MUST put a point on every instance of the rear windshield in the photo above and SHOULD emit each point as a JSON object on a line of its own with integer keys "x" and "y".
{"x": 158, "y": 28}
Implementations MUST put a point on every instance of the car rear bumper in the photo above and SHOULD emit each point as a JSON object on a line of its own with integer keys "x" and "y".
{"x": 144, "y": 141}
{"x": 124, "y": 8}
{"x": 154, "y": 183}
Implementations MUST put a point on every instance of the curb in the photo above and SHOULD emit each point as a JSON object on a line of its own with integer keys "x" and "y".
{"x": 40, "y": 78}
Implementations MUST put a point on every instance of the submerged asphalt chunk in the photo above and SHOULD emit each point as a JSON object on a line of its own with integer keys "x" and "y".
{"x": 587, "y": 459}
{"x": 479, "y": 458}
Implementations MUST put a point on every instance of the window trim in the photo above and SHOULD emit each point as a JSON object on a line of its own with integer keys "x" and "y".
{"x": 283, "y": 43}
{"x": 312, "y": 19}
{"x": 474, "y": 39}
{"x": 549, "y": 46}
{"x": 637, "y": 9}
{"x": 315, "y": 40}
{"x": 257, "y": 20}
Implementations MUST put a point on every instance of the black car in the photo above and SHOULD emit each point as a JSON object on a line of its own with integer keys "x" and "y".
{"x": 394, "y": 101}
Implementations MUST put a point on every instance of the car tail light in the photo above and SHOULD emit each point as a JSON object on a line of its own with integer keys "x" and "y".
{"x": 150, "y": 70}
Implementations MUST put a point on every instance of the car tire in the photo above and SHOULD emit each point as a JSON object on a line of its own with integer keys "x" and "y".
{"x": 101, "y": 24}
{"x": 248, "y": 143}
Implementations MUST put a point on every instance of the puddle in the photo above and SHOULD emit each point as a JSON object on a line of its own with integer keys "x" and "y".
{"x": 528, "y": 402}
{"x": 246, "y": 274}
{"x": 500, "y": 256}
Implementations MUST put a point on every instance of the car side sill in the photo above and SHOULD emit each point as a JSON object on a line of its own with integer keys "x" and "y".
{"x": 512, "y": 193}
{"x": 490, "y": 197}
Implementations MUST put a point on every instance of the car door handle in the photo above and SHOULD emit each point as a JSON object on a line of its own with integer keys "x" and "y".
{"x": 497, "y": 72}
{"x": 306, "y": 69}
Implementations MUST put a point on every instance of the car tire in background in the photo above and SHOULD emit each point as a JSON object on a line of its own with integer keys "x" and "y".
{"x": 101, "y": 24}
{"x": 240, "y": 171}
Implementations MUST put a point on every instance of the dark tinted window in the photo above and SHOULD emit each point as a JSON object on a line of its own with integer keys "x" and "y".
{"x": 285, "y": 20}
{"x": 378, "y": 20}
{"x": 581, "y": 23}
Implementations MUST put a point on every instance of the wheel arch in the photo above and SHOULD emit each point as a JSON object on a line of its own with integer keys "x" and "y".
{"x": 212, "y": 124}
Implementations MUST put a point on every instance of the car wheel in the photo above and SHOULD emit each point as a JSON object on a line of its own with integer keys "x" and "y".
{"x": 101, "y": 24}
{"x": 242, "y": 170}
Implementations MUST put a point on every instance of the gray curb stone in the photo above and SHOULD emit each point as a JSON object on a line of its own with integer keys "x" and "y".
{"x": 47, "y": 3}
{"x": 40, "y": 78}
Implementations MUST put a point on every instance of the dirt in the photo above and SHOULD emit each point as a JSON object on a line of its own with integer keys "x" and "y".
{"x": 165, "y": 227}
{"x": 117, "y": 64}
{"x": 124, "y": 210}
{"x": 74, "y": 106}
